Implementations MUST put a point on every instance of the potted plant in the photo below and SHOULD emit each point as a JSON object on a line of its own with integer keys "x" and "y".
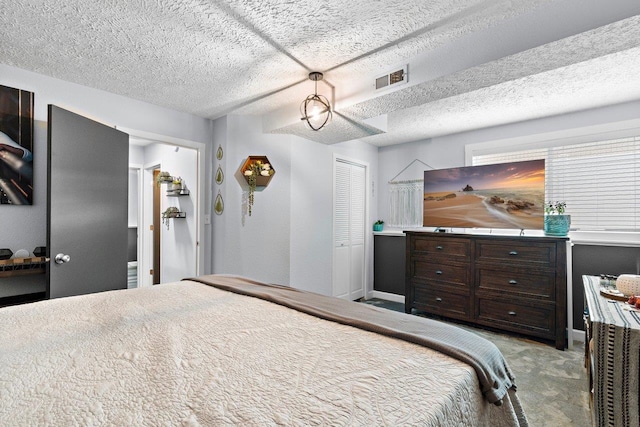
{"x": 258, "y": 172}
{"x": 163, "y": 177}
{"x": 175, "y": 184}
{"x": 170, "y": 212}
{"x": 556, "y": 222}
{"x": 378, "y": 225}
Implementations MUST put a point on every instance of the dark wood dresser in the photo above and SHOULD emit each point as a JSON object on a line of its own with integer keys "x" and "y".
{"x": 511, "y": 283}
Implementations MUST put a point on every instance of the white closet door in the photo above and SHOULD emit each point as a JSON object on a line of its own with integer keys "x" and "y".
{"x": 349, "y": 230}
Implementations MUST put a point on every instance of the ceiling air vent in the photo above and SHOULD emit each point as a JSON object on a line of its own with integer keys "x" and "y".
{"x": 393, "y": 78}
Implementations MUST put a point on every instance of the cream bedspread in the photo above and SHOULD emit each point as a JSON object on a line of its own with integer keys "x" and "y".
{"x": 189, "y": 354}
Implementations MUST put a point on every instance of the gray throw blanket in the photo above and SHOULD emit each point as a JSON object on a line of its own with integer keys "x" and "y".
{"x": 483, "y": 356}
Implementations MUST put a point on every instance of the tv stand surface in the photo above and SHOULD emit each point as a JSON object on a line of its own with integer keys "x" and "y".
{"x": 511, "y": 283}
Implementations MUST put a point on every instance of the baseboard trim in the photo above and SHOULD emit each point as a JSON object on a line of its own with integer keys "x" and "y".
{"x": 387, "y": 296}
{"x": 578, "y": 335}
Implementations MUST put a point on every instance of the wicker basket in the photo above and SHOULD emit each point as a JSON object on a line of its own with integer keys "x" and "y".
{"x": 628, "y": 284}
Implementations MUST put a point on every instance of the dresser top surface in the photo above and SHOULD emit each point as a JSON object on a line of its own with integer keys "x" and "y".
{"x": 525, "y": 237}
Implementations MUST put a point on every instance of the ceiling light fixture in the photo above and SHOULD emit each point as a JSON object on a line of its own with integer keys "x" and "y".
{"x": 315, "y": 109}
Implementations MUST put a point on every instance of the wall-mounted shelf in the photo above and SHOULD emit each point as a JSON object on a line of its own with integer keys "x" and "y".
{"x": 23, "y": 266}
{"x": 174, "y": 215}
{"x": 261, "y": 180}
{"x": 177, "y": 193}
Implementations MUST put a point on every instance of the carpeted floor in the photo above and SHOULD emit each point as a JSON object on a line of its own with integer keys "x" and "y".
{"x": 552, "y": 384}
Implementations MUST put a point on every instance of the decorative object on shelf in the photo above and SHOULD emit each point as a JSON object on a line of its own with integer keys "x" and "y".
{"x": 219, "y": 175}
{"x": 316, "y": 109}
{"x": 21, "y": 253}
{"x": 258, "y": 172}
{"x": 171, "y": 212}
{"x": 176, "y": 184}
{"x": 628, "y": 284}
{"x": 40, "y": 251}
{"x": 378, "y": 225}
{"x": 177, "y": 187}
{"x": 5, "y": 253}
{"x": 556, "y": 223}
{"x": 218, "y": 204}
{"x": 219, "y": 153}
{"x": 163, "y": 178}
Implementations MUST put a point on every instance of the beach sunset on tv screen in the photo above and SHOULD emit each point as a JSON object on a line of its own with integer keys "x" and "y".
{"x": 507, "y": 195}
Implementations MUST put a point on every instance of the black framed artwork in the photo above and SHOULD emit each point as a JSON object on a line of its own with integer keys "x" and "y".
{"x": 16, "y": 146}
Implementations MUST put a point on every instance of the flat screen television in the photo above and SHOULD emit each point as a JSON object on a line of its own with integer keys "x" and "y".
{"x": 506, "y": 195}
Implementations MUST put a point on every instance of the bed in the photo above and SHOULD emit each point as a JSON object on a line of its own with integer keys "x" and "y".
{"x": 224, "y": 350}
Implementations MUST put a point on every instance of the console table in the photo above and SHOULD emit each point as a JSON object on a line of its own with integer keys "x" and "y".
{"x": 612, "y": 361}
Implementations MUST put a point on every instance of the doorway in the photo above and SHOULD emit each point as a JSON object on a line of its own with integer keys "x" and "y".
{"x": 133, "y": 220}
{"x": 168, "y": 251}
{"x": 155, "y": 228}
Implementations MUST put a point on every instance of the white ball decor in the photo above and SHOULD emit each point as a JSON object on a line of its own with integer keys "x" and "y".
{"x": 628, "y": 284}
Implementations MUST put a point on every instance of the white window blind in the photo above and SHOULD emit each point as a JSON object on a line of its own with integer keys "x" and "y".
{"x": 600, "y": 181}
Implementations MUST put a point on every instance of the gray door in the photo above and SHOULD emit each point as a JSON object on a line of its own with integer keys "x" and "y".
{"x": 87, "y": 205}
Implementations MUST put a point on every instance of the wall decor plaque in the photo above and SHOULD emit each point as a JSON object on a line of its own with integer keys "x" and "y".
{"x": 219, "y": 176}
{"x": 218, "y": 204}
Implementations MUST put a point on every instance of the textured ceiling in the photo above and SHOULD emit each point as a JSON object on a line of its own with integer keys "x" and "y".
{"x": 472, "y": 63}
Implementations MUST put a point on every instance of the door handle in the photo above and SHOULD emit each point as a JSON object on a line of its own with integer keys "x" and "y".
{"x": 62, "y": 258}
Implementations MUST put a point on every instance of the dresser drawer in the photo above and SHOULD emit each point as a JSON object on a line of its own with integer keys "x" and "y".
{"x": 517, "y": 283}
{"x": 439, "y": 301}
{"x": 442, "y": 247}
{"x": 530, "y": 253}
{"x": 518, "y": 316}
{"x": 449, "y": 273}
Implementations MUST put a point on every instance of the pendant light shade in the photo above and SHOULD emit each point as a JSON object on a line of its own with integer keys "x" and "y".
{"x": 315, "y": 109}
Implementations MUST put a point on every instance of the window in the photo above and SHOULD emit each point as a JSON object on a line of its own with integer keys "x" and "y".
{"x": 600, "y": 181}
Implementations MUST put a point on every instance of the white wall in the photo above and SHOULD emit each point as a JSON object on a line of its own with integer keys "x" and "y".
{"x": 255, "y": 246}
{"x": 288, "y": 238}
{"x": 25, "y": 226}
{"x": 132, "y": 216}
{"x": 218, "y": 257}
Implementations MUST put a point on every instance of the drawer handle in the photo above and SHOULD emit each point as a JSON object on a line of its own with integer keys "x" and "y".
{"x": 439, "y": 248}
{"x": 439, "y": 299}
{"x": 512, "y": 313}
{"x": 439, "y": 273}
{"x": 513, "y": 253}
{"x": 513, "y": 282}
